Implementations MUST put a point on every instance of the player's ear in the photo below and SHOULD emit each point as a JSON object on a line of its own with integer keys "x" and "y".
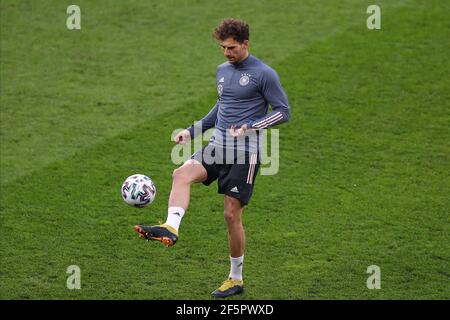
{"x": 245, "y": 44}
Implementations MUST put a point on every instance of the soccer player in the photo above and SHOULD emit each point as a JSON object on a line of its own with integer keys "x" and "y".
{"x": 246, "y": 86}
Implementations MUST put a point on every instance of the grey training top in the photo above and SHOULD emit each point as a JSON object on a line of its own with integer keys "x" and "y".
{"x": 245, "y": 91}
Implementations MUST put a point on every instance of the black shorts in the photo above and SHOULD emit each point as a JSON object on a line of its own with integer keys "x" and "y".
{"x": 235, "y": 171}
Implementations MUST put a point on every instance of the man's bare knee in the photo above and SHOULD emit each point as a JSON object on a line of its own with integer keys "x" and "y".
{"x": 191, "y": 171}
{"x": 178, "y": 174}
{"x": 232, "y": 210}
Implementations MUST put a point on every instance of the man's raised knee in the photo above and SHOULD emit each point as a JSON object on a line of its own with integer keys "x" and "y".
{"x": 191, "y": 171}
{"x": 178, "y": 174}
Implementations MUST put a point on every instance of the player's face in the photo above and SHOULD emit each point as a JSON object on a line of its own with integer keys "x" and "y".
{"x": 233, "y": 50}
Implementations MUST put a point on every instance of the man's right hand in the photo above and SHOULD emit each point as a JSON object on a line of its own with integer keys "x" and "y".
{"x": 182, "y": 137}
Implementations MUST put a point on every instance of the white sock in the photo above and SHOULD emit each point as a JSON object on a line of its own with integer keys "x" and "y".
{"x": 174, "y": 216}
{"x": 236, "y": 268}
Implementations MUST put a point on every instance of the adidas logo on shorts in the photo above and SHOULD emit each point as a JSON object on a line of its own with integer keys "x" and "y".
{"x": 235, "y": 189}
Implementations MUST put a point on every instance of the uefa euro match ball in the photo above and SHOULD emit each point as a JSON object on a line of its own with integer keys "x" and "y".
{"x": 138, "y": 190}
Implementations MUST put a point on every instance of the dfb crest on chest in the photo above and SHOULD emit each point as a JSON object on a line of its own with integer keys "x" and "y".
{"x": 244, "y": 79}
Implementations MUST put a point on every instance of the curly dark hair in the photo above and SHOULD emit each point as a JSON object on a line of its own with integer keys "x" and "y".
{"x": 232, "y": 28}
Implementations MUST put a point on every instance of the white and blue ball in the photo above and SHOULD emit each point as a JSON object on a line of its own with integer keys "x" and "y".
{"x": 138, "y": 190}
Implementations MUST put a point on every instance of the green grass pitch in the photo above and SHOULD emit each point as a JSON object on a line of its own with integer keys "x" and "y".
{"x": 364, "y": 161}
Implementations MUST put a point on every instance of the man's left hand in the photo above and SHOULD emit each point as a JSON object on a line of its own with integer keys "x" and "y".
{"x": 238, "y": 132}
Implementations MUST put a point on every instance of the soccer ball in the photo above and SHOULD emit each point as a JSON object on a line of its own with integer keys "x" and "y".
{"x": 138, "y": 190}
